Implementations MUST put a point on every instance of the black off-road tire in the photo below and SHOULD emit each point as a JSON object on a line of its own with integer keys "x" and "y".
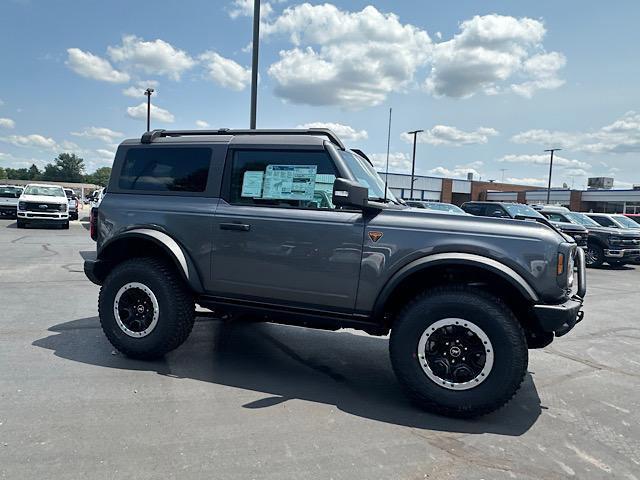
{"x": 596, "y": 252}
{"x": 497, "y": 322}
{"x": 175, "y": 301}
{"x": 21, "y": 223}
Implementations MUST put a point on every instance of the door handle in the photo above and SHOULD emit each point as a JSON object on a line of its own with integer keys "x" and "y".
{"x": 241, "y": 227}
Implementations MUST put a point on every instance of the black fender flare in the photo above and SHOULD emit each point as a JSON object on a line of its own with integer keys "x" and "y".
{"x": 171, "y": 247}
{"x": 454, "y": 258}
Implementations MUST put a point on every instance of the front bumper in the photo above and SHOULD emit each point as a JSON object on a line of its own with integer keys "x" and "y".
{"x": 45, "y": 216}
{"x": 561, "y": 318}
{"x": 629, "y": 253}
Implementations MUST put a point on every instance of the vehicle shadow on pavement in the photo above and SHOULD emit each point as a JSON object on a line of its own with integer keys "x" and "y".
{"x": 350, "y": 371}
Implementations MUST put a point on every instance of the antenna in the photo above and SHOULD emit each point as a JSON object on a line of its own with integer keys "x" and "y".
{"x": 386, "y": 174}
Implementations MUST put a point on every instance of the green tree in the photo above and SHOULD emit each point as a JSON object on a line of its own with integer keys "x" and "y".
{"x": 67, "y": 167}
{"x": 34, "y": 172}
{"x": 17, "y": 173}
{"x": 3, "y": 173}
{"x": 99, "y": 177}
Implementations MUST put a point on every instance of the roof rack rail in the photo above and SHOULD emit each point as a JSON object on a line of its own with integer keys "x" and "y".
{"x": 148, "y": 137}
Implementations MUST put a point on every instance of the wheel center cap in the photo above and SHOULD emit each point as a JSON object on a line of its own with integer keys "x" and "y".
{"x": 455, "y": 351}
{"x": 140, "y": 309}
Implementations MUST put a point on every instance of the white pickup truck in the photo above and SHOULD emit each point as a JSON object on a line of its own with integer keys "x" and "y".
{"x": 40, "y": 203}
{"x": 9, "y": 195}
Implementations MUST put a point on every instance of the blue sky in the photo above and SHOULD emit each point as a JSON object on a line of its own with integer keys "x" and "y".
{"x": 493, "y": 83}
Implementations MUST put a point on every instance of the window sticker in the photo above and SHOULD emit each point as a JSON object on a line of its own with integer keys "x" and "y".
{"x": 289, "y": 182}
{"x": 252, "y": 184}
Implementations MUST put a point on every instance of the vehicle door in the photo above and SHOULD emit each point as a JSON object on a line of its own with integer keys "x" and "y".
{"x": 277, "y": 236}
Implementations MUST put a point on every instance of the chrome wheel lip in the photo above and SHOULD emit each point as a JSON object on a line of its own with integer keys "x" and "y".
{"x": 154, "y": 302}
{"x": 458, "y": 322}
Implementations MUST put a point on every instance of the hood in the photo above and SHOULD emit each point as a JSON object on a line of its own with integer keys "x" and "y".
{"x": 569, "y": 227}
{"x": 427, "y": 220}
{"x": 615, "y": 231}
{"x": 43, "y": 199}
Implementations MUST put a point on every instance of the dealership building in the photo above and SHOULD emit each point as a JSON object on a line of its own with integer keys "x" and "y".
{"x": 456, "y": 191}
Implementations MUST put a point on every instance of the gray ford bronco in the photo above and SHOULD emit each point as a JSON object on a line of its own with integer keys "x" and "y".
{"x": 289, "y": 226}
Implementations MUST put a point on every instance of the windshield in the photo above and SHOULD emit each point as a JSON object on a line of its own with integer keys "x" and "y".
{"x": 625, "y": 222}
{"x": 9, "y": 192}
{"x": 443, "y": 207}
{"x": 521, "y": 209}
{"x": 367, "y": 176}
{"x": 582, "y": 219}
{"x": 47, "y": 191}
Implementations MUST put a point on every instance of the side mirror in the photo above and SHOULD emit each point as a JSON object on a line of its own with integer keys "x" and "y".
{"x": 347, "y": 193}
{"x": 17, "y": 194}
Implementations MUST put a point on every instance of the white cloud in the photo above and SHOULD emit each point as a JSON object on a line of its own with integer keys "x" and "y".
{"x": 345, "y": 132}
{"x": 137, "y": 90}
{"x": 488, "y": 51}
{"x": 7, "y": 123}
{"x": 105, "y": 154}
{"x": 157, "y": 113}
{"x": 398, "y": 162}
{"x": 350, "y": 59}
{"x": 543, "y": 159}
{"x": 226, "y": 72}
{"x": 543, "y": 71}
{"x": 34, "y": 141}
{"x": 244, "y": 8}
{"x": 155, "y": 57}
{"x": 621, "y": 136}
{"x": 460, "y": 171}
{"x": 447, "y": 135}
{"x": 535, "y": 182}
{"x": 202, "y": 124}
{"x": 89, "y": 65}
{"x": 101, "y": 133}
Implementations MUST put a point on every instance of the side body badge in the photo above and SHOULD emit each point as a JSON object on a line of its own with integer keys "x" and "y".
{"x": 375, "y": 236}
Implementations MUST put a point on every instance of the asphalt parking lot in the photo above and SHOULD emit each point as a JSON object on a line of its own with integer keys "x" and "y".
{"x": 266, "y": 401}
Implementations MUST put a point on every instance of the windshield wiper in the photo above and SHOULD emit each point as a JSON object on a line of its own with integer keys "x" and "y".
{"x": 383, "y": 200}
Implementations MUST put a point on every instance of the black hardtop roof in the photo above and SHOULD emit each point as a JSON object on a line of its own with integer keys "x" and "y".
{"x": 276, "y": 136}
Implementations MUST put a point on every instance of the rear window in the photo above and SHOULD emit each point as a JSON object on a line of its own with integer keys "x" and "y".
{"x": 166, "y": 169}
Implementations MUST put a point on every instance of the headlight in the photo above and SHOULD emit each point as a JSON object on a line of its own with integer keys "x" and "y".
{"x": 63, "y": 207}
{"x": 615, "y": 240}
{"x": 22, "y": 205}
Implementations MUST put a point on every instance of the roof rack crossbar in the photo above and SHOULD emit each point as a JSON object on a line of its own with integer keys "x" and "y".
{"x": 149, "y": 137}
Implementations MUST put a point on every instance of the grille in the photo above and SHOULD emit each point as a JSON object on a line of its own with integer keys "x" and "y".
{"x": 44, "y": 207}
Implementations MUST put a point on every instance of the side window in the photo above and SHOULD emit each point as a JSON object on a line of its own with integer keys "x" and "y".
{"x": 495, "y": 211}
{"x": 473, "y": 208}
{"x": 166, "y": 169}
{"x": 605, "y": 222}
{"x": 296, "y": 179}
{"x": 555, "y": 217}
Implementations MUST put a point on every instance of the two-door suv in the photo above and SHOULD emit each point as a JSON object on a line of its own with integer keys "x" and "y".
{"x": 289, "y": 226}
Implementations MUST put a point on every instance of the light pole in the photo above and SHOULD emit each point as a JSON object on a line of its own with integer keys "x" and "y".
{"x": 148, "y": 93}
{"x": 413, "y": 161}
{"x": 254, "y": 62}
{"x": 551, "y": 150}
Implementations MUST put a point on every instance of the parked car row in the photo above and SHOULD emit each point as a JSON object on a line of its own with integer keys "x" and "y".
{"x": 606, "y": 238}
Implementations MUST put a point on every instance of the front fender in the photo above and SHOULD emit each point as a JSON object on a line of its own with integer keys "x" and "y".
{"x": 455, "y": 258}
